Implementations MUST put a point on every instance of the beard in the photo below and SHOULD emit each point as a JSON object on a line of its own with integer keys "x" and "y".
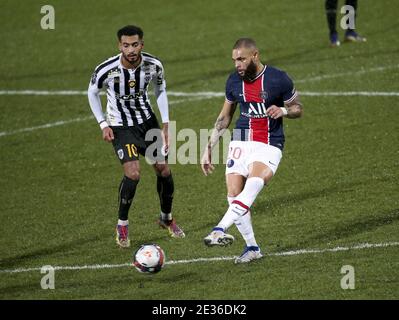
{"x": 131, "y": 60}
{"x": 250, "y": 73}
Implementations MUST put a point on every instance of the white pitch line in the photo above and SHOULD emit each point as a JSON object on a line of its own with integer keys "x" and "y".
{"x": 349, "y": 93}
{"x": 194, "y": 96}
{"x": 343, "y": 74}
{"x": 44, "y": 126}
{"x": 63, "y": 122}
{"x": 84, "y": 93}
{"x": 277, "y": 254}
{"x": 201, "y": 95}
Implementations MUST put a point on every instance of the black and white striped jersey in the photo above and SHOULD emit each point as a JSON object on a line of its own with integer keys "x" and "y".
{"x": 128, "y": 103}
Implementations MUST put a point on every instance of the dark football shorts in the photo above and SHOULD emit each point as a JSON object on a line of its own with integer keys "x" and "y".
{"x": 143, "y": 139}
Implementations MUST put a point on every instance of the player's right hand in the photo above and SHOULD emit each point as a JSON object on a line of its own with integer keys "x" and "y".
{"x": 206, "y": 165}
{"x": 108, "y": 134}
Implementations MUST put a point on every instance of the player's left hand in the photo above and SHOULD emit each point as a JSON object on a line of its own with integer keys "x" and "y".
{"x": 165, "y": 133}
{"x": 274, "y": 112}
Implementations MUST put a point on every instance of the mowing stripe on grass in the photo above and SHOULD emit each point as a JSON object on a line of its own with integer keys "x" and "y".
{"x": 360, "y": 246}
{"x": 194, "y": 96}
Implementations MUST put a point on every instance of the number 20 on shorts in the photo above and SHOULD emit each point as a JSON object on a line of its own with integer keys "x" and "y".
{"x": 236, "y": 152}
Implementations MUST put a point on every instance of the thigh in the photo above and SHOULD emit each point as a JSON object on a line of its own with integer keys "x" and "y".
{"x": 267, "y": 155}
{"x": 153, "y": 142}
{"x": 236, "y": 158}
{"x": 260, "y": 170}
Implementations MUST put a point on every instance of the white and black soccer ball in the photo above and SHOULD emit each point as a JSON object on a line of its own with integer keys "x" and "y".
{"x": 149, "y": 258}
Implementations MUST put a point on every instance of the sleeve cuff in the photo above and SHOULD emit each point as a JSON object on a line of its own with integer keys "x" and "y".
{"x": 103, "y": 124}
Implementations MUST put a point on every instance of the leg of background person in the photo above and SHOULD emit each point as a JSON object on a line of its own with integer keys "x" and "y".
{"x": 331, "y": 13}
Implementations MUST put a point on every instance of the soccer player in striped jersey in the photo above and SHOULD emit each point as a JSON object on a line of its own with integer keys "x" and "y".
{"x": 265, "y": 95}
{"x": 131, "y": 125}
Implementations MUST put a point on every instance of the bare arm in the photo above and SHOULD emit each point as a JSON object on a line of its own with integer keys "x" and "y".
{"x": 222, "y": 123}
{"x": 293, "y": 109}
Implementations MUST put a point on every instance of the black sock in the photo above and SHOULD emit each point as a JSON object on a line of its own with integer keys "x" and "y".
{"x": 165, "y": 188}
{"x": 331, "y": 12}
{"x": 127, "y": 189}
{"x": 352, "y": 3}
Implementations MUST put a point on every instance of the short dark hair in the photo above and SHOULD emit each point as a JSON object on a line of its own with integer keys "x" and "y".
{"x": 130, "y": 30}
{"x": 246, "y": 43}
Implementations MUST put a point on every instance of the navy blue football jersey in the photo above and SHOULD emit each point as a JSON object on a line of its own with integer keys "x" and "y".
{"x": 271, "y": 87}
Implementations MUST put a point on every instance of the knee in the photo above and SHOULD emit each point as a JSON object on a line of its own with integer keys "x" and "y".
{"x": 133, "y": 174}
{"x": 233, "y": 193}
{"x": 162, "y": 170}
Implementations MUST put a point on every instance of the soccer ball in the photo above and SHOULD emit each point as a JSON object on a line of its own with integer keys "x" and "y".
{"x": 149, "y": 258}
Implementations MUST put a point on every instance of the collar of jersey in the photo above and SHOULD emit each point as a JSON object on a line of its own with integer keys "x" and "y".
{"x": 260, "y": 74}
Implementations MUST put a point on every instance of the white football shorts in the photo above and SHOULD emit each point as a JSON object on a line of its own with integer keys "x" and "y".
{"x": 243, "y": 153}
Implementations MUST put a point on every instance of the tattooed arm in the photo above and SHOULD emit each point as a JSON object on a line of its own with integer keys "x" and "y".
{"x": 291, "y": 110}
{"x": 222, "y": 123}
{"x": 294, "y": 108}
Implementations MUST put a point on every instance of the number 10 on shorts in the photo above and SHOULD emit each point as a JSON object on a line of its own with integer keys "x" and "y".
{"x": 131, "y": 150}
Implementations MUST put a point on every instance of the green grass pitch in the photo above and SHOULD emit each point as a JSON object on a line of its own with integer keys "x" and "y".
{"x": 337, "y": 184}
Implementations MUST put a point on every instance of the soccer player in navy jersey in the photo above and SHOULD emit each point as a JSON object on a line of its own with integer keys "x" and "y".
{"x": 265, "y": 95}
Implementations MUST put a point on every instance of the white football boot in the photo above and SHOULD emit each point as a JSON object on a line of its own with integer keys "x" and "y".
{"x": 218, "y": 238}
{"x": 249, "y": 254}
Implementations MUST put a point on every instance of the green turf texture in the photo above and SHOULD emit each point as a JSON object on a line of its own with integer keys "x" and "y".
{"x": 336, "y": 184}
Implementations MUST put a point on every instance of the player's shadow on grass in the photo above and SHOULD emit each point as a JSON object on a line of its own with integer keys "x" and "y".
{"x": 18, "y": 260}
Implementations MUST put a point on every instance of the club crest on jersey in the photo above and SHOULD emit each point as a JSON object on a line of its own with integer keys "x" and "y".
{"x": 263, "y": 95}
{"x": 230, "y": 163}
{"x": 132, "y": 83}
{"x": 120, "y": 154}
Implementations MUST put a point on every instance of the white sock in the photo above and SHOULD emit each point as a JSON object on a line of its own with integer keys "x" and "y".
{"x": 228, "y": 218}
{"x": 247, "y": 197}
{"x": 123, "y": 222}
{"x": 244, "y": 225}
{"x": 251, "y": 189}
{"x": 166, "y": 216}
{"x": 241, "y": 204}
{"x": 230, "y": 199}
